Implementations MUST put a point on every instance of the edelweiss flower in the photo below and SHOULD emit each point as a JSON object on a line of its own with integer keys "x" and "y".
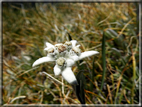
{"x": 65, "y": 55}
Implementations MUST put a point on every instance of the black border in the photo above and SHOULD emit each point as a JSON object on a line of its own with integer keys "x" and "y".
{"x": 68, "y": 1}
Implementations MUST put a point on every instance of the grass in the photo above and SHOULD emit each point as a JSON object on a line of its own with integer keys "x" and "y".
{"x": 26, "y": 28}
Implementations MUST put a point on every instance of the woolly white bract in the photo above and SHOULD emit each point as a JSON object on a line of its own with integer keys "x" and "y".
{"x": 65, "y": 55}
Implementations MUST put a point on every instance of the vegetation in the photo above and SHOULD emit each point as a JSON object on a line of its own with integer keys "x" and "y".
{"x": 111, "y": 77}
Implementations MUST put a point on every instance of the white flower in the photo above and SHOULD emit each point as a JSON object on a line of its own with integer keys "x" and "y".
{"x": 65, "y": 55}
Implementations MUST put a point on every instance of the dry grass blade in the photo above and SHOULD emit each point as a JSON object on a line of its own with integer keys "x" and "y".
{"x": 16, "y": 98}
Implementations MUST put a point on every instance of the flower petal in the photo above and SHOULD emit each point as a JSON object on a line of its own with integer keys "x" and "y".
{"x": 49, "y": 45}
{"x": 57, "y": 70}
{"x": 42, "y": 60}
{"x": 74, "y": 57}
{"x": 70, "y": 62}
{"x": 73, "y": 42}
{"x": 86, "y": 54}
{"x": 69, "y": 76}
{"x": 78, "y": 46}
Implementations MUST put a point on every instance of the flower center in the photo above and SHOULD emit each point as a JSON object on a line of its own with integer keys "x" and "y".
{"x": 76, "y": 50}
{"x": 68, "y": 43}
{"x": 60, "y": 61}
{"x": 61, "y": 48}
{"x": 57, "y": 45}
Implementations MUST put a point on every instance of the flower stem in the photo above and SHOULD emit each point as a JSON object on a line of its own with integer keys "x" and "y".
{"x": 53, "y": 78}
{"x": 63, "y": 90}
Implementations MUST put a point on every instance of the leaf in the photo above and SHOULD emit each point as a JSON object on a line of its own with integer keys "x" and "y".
{"x": 81, "y": 83}
{"x": 118, "y": 39}
{"x": 79, "y": 89}
{"x": 110, "y": 34}
{"x": 116, "y": 51}
{"x": 70, "y": 38}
